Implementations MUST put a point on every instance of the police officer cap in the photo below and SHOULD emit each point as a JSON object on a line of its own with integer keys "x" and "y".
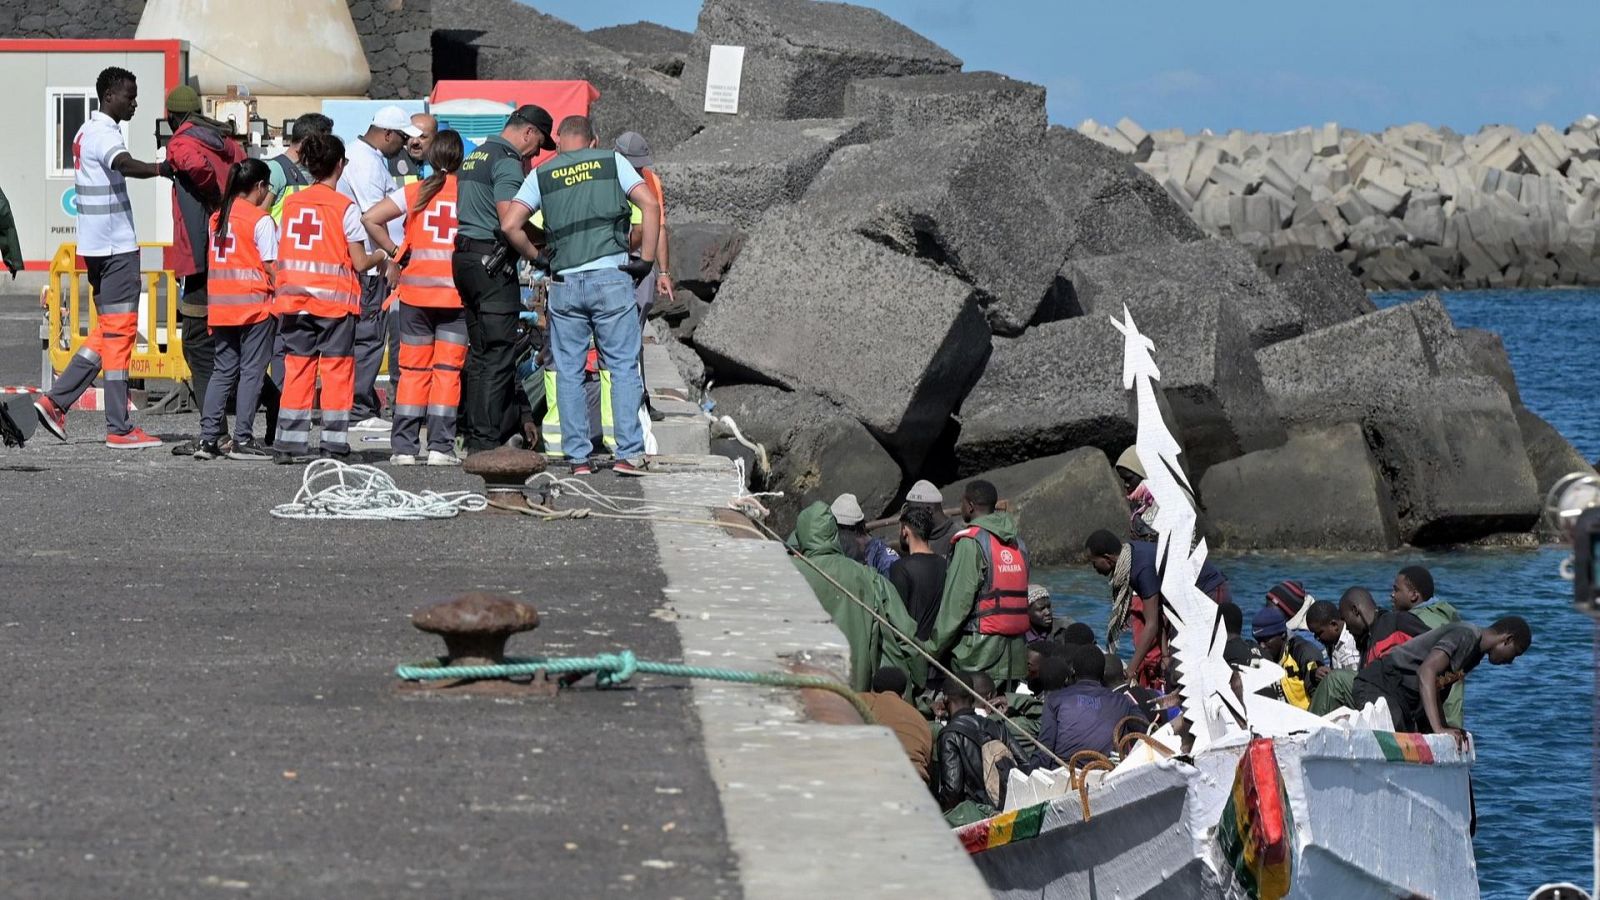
{"x": 924, "y": 492}
{"x": 538, "y": 118}
{"x": 847, "y": 510}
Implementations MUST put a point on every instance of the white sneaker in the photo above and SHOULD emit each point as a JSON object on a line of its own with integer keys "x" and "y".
{"x": 435, "y": 458}
{"x": 373, "y": 424}
{"x": 402, "y": 459}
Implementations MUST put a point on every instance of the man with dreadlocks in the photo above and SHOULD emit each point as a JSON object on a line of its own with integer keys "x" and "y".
{"x": 1136, "y": 598}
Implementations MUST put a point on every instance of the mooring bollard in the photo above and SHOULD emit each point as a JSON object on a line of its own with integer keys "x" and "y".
{"x": 475, "y": 628}
{"x": 504, "y": 470}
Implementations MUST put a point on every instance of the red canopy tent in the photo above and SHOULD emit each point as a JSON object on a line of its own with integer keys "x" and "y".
{"x": 559, "y": 98}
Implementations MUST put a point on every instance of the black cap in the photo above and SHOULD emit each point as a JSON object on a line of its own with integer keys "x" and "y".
{"x": 538, "y": 118}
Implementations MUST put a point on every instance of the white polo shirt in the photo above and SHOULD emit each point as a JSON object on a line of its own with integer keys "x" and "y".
{"x": 105, "y": 217}
{"x": 366, "y": 180}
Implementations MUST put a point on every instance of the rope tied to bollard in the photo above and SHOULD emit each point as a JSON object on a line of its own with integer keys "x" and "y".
{"x": 614, "y": 669}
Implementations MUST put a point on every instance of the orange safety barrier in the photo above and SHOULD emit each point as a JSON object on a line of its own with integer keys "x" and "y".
{"x": 70, "y": 316}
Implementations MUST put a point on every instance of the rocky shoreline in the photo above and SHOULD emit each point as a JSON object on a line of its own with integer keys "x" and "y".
{"x": 1414, "y": 207}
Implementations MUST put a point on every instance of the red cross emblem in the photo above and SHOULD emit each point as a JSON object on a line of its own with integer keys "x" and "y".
{"x": 441, "y": 222}
{"x": 305, "y": 229}
{"x": 223, "y": 250}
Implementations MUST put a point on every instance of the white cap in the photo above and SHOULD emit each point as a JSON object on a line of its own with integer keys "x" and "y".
{"x": 924, "y": 492}
{"x": 847, "y": 510}
{"x": 396, "y": 119}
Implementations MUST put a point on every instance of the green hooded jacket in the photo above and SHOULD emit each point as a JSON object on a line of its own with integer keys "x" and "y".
{"x": 1437, "y": 614}
{"x": 1004, "y": 658}
{"x": 817, "y": 538}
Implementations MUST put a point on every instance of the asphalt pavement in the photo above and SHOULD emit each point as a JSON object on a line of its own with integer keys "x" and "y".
{"x": 200, "y": 702}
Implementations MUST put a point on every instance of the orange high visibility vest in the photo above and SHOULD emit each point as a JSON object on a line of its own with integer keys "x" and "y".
{"x": 315, "y": 272}
{"x": 430, "y": 240}
{"x": 238, "y": 288}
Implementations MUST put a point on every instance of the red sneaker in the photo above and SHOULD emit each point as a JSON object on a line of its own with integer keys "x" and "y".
{"x": 51, "y": 416}
{"x": 628, "y": 467}
{"x": 137, "y": 439}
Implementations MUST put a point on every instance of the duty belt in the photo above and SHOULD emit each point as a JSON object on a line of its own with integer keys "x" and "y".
{"x": 470, "y": 245}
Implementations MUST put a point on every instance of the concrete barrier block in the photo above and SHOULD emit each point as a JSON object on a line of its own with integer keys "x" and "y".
{"x": 954, "y": 99}
{"x": 1059, "y": 500}
{"x": 736, "y": 171}
{"x": 1202, "y": 169}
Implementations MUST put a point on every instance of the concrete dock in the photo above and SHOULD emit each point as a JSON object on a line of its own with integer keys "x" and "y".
{"x": 201, "y": 699}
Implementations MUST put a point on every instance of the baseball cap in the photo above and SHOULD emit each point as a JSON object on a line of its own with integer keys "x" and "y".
{"x": 538, "y": 118}
{"x": 394, "y": 118}
{"x": 923, "y": 492}
{"x": 847, "y": 510}
{"x": 635, "y": 149}
{"x": 183, "y": 99}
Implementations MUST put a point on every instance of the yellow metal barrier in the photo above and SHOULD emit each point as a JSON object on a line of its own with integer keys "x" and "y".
{"x": 70, "y": 313}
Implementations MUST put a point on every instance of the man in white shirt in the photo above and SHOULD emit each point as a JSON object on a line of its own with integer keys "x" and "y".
{"x": 107, "y": 243}
{"x": 367, "y": 181}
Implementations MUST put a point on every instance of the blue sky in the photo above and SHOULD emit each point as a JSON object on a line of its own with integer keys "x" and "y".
{"x": 1253, "y": 64}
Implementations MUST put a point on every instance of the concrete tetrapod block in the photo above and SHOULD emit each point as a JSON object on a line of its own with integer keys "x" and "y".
{"x": 960, "y": 199}
{"x": 817, "y": 450}
{"x": 800, "y": 55}
{"x": 890, "y": 338}
{"x": 1323, "y": 289}
{"x": 1059, "y": 501}
{"x": 1059, "y": 386}
{"x": 1320, "y": 491}
{"x": 1487, "y": 356}
{"x": 736, "y": 171}
{"x": 1213, "y": 268}
{"x": 702, "y": 253}
{"x": 985, "y": 100}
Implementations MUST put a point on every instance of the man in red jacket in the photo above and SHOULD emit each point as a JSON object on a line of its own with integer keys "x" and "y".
{"x": 199, "y": 156}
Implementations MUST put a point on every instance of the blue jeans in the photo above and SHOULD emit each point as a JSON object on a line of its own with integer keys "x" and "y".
{"x": 597, "y": 303}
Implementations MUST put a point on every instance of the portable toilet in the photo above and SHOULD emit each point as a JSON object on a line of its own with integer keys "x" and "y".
{"x": 473, "y": 119}
{"x": 559, "y": 98}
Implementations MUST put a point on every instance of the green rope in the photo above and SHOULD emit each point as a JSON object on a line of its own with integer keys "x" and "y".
{"x": 612, "y": 669}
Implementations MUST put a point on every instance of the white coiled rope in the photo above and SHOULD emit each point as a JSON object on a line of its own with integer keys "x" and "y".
{"x": 336, "y": 490}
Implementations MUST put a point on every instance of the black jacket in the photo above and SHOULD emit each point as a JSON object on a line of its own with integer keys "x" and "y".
{"x": 961, "y": 773}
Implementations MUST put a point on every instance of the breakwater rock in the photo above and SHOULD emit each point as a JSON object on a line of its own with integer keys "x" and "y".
{"x": 1414, "y": 207}
{"x": 910, "y": 275}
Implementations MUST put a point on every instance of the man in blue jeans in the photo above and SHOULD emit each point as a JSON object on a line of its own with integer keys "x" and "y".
{"x": 584, "y": 193}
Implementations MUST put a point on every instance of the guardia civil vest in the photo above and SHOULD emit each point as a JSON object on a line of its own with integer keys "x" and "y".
{"x": 238, "y": 287}
{"x": 315, "y": 272}
{"x": 1002, "y": 606}
{"x": 585, "y": 211}
{"x": 295, "y": 179}
{"x": 550, "y": 428}
{"x": 426, "y": 279}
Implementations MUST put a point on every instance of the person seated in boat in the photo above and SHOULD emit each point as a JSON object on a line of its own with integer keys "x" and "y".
{"x": 1239, "y": 650}
{"x": 975, "y": 757}
{"x": 1413, "y": 592}
{"x": 1077, "y": 633}
{"x": 1412, "y": 678}
{"x": 983, "y": 611}
{"x": 1376, "y": 631}
{"x": 1024, "y": 704}
{"x": 1116, "y": 678}
{"x": 1323, "y": 621}
{"x": 1303, "y": 659}
{"x": 1135, "y": 597}
{"x": 1084, "y": 714}
{"x": 889, "y": 708}
{"x": 1042, "y": 621}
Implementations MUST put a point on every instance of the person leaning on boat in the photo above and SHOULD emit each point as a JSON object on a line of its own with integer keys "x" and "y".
{"x": 983, "y": 613}
{"x": 1413, "y": 677}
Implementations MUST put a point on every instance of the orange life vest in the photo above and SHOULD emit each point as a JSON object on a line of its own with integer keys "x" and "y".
{"x": 1002, "y": 606}
{"x": 426, "y": 279}
{"x": 238, "y": 288}
{"x": 315, "y": 272}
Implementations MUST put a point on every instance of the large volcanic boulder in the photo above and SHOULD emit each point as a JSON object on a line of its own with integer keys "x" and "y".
{"x": 1320, "y": 491}
{"x": 1059, "y": 386}
{"x": 1215, "y": 268}
{"x": 817, "y": 450}
{"x": 654, "y": 46}
{"x": 1552, "y": 456}
{"x": 508, "y": 40}
{"x": 1105, "y": 203}
{"x": 702, "y": 253}
{"x": 800, "y": 55}
{"x": 890, "y": 338}
{"x": 737, "y": 170}
{"x": 1059, "y": 500}
{"x": 1487, "y": 356}
{"x": 1321, "y": 287}
{"x": 985, "y": 100}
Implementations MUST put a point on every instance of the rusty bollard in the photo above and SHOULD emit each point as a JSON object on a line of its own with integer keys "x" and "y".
{"x": 475, "y": 628}
{"x": 504, "y": 470}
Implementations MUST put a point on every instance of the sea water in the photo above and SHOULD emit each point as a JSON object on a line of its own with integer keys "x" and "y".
{"x": 1532, "y": 720}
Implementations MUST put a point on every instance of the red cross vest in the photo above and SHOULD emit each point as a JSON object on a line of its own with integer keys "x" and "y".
{"x": 238, "y": 289}
{"x": 315, "y": 272}
{"x": 1002, "y": 606}
{"x": 426, "y": 279}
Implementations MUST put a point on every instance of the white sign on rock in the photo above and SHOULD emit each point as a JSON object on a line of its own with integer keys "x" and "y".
{"x": 723, "y": 74}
